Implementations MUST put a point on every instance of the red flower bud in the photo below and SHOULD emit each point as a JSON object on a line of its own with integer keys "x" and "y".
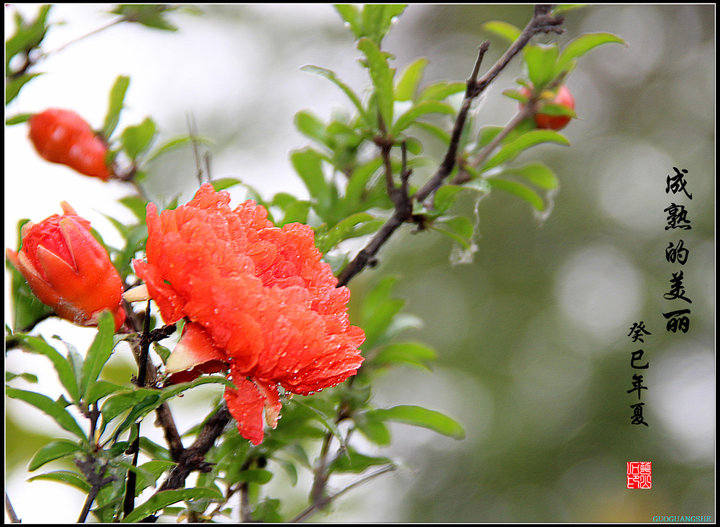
{"x": 562, "y": 97}
{"x": 68, "y": 269}
{"x": 62, "y": 136}
{"x": 259, "y": 302}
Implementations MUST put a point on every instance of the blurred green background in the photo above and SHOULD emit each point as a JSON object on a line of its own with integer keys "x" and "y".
{"x": 532, "y": 335}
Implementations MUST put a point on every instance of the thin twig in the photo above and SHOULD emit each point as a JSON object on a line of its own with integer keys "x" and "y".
{"x": 10, "y": 510}
{"x": 129, "y": 502}
{"x": 313, "y": 507}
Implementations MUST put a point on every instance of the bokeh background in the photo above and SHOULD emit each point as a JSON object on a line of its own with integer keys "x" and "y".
{"x": 532, "y": 335}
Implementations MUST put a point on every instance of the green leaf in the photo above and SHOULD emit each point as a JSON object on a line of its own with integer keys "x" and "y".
{"x": 311, "y": 126}
{"x": 164, "y": 498}
{"x": 356, "y": 462}
{"x": 540, "y": 60}
{"x": 255, "y": 475}
{"x": 346, "y": 229}
{"x": 308, "y": 165}
{"x": 419, "y": 416}
{"x": 441, "y": 90}
{"x": 15, "y": 84}
{"x": 330, "y": 75}
{"x": 60, "y": 363}
{"x": 373, "y": 428}
{"x": 150, "y": 15}
{"x": 137, "y": 139}
{"x": 177, "y": 142}
{"x": 54, "y": 409}
{"x": 409, "y": 80}
{"x": 351, "y": 15}
{"x": 381, "y": 76}
{"x": 150, "y": 472}
{"x": 525, "y": 141}
{"x": 27, "y": 377}
{"x": 422, "y": 108}
{"x": 224, "y": 183}
{"x": 27, "y": 36}
{"x": 503, "y": 30}
{"x": 518, "y": 189}
{"x": 52, "y": 451}
{"x": 65, "y": 476}
{"x": 358, "y": 182}
{"x": 412, "y": 353}
{"x": 537, "y": 174}
{"x": 321, "y": 416}
{"x": 267, "y": 511}
{"x": 18, "y": 119}
{"x": 117, "y": 98}
{"x": 459, "y": 228}
{"x": 582, "y": 45}
{"x": 99, "y": 389}
{"x": 137, "y": 206}
{"x": 377, "y": 20}
{"x": 99, "y": 352}
{"x": 378, "y": 312}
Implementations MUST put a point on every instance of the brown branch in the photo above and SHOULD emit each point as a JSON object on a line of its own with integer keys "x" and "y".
{"x": 542, "y": 22}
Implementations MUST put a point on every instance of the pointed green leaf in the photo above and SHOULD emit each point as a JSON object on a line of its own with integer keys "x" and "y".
{"x": 420, "y": 109}
{"x": 137, "y": 139}
{"x": 377, "y": 20}
{"x": 441, "y": 90}
{"x": 459, "y": 228}
{"x": 356, "y": 462}
{"x": 330, "y": 75}
{"x": 373, "y": 428}
{"x": 164, "y": 498}
{"x": 311, "y": 126}
{"x": 537, "y": 174}
{"x": 177, "y": 142}
{"x": 115, "y": 106}
{"x": 518, "y": 189}
{"x": 60, "y": 363}
{"x": 382, "y": 78}
{"x": 534, "y": 137}
{"x": 99, "y": 352}
{"x": 503, "y": 30}
{"x": 137, "y": 206}
{"x": 582, "y": 45}
{"x": 419, "y": 416}
{"x": 351, "y": 15}
{"x": 223, "y": 183}
{"x": 540, "y": 60}
{"x": 409, "y": 80}
{"x": 308, "y": 165}
{"x": 100, "y": 389}
{"x": 54, "y": 409}
{"x": 52, "y": 451}
{"x": 412, "y": 353}
{"x": 65, "y": 476}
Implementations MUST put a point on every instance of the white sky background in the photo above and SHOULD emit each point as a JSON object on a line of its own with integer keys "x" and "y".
{"x": 249, "y": 80}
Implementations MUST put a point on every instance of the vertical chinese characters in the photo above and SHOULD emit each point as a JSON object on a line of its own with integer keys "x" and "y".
{"x": 676, "y": 252}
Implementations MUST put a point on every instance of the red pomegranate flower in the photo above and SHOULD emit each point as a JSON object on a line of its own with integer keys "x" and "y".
{"x": 258, "y": 301}
{"x": 62, "y": 136}
{"x": 68, "y": 269}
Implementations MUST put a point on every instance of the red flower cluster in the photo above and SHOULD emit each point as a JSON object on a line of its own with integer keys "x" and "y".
{"x": 258, "y": 299}
{"x": 62, "y": 136}
{"x": 68, "y": 269}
